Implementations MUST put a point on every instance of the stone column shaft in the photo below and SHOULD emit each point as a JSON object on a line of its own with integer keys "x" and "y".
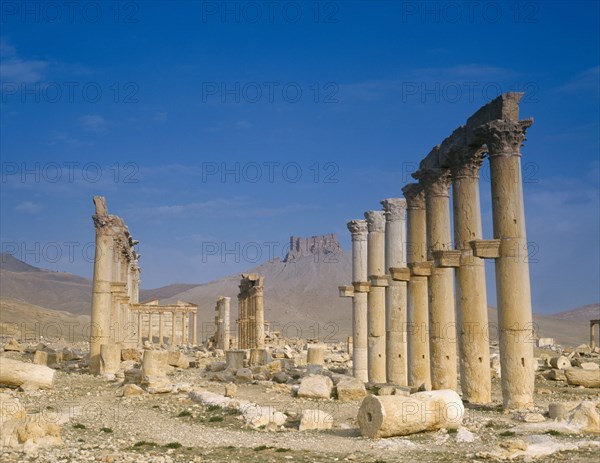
{"x": 160, "y": 328}
{"x": 504, "y": 139}
{"x": 149, "y": 326}
{"x": 471, "y": 299}
{"x": 442, "y": 321}
{"x": 101, "y": 297}
{"x": 195, "y": 328}
{"x": 395, "y": 297}
{"x": 360, "y": 330}
{"x": 173, "y": 328}
{"x": 260, "y": 317}
{"x": 417, "y": 306}
{"x": 376, "y": 297}
{"x": 226, "y": 321}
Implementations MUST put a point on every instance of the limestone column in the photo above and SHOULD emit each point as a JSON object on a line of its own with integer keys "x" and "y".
{"x": 592, "y": 337}
{"x": 194, "y": 329}
{"x": 173, "y": 328}
{"x": 442, "y": 322}
{"x": 160, "y": 329}
{"x": 358, "y": 229}
{"x": 504, "y": 140}
{"x": 101, "y": 291}
{"x": 471, "y": 298}
{"x": 417, "y": 307}
{"x": 251, "y": 319}
{"x": 149, "y": 326}
{"x": 376, "y": 296}
{"x": 139, "y": 328}
{"x": 259, "y": 314}
{"x": 226, "y": 321}
{"x": 241, "y": 321}
{"x": 395, "y": 295}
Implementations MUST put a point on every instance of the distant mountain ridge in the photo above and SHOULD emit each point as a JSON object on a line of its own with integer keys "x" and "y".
{"x": 301, "y": 294}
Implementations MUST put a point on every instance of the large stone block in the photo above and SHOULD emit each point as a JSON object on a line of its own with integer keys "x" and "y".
{"x": 315, "y": 420}
{"x": 315, "y": 387}
{"x": 581, "y": 377}
{"x": 350, "y": 389}
{"x": 155, "y": 363}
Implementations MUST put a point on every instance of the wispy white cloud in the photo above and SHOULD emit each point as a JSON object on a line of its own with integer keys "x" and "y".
{"x": 28, "y": 207}
{"x": 94, "y": 123}
{"x": 587, "y": 81}
{"x": 15, "y": 69}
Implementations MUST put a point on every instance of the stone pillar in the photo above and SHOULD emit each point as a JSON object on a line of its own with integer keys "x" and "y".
{"x": 195, "y": 328}
{"x": 101, "y": 290}
{"x": 358, "y": 229}
{"x": 160, "y": 329}
{"x": 139, "y": 328}
{"x": 504, "y": 140}
{"x": 376, "y": 296}
{"x": 173, "y": 332}
{"x": 471, "y": 299}
{"x": 442, "y": 322}
{"x": 395, "y": 295}
{"x": 242, "y": 322}
{"x": 226, "y": 304}
{"x": 149, "y": 326}
{"x": 417, "y": 307}
{"x": 592, "y": 337}
{"x": 259, "y": 314}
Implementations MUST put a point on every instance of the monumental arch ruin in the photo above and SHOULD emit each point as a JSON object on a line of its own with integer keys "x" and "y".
{"x": 445, "y": 332}
{"x": 118, "y": 318}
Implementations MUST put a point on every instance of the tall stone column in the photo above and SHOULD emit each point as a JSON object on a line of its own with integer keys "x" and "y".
{"x": 226, "y": 304}
{"x": 358, "y": 229}
{"x": 101, "y": 291}
{"x": 173, "y": 328}
{"x": 139, "y": 328}
{"x": 395, "y": 296}
{"x": 376, "y": 296}
{"x": 259, "y": 314}
{"x": 195, "y": 328}
{"x": 417, "y": 310}
{"x": 504, "y": 140}
{"x": 442, "y": 322}
{"x": 150, "y": 327}
{"x": 471, "y": 299}
{"x": 160, "y": 328}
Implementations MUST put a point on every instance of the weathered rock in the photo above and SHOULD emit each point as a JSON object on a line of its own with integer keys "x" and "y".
{"x": 560, "y": 410}
{"x": 131, "y": 390}
{"x": 243, "y": 375}
{"x": 589, "y": 366}
{"x": 281, "y": 377}
{"x": 216, "y": 366}
{"x": 315, "y": 387}
{"x": 399, "y": 416}
{"x": 315, "y": 420}
{"x": 13, "y": 346}
{"x": 155, "y": 363}
{"x": 581, "y": 377}
{"x": 18, "y": 429}
{"x": 350, "y": 389}
{"x": 585, "y": 417}
{"x": 385, "y": 390}
{"x": 133, "y": 375}
{"x": 25, "y": 375}
{"x": 40, "y": 357}
{"x": 178, "y": 359}
{"x": 158, "y": 384}
{"x": 223, "y": 376}
{"x": 131, "y": 354}
{"x": 230, "y": 390}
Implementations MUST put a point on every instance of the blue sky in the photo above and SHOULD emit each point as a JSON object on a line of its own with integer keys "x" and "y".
{"x": 238, "y": 124}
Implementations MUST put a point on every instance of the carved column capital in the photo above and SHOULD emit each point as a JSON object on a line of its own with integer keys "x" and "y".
{"x": 468, "y": 164}
{"x": 358, "y": 229}
{"x": 375, "y": 221}
{"x": 394, "y": 209}
{"x": 435, "y": 181}
{"x": 504, "y": 137}
{"x": 415, "y": 196}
